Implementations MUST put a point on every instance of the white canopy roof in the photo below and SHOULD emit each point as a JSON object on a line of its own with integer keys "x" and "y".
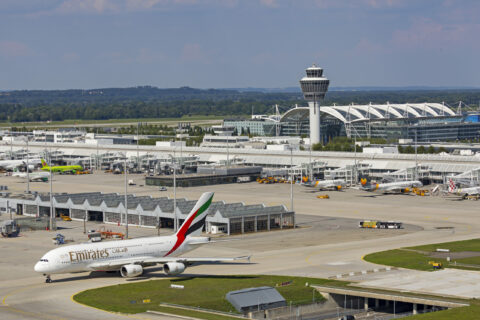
{"x": 355, "y": 113}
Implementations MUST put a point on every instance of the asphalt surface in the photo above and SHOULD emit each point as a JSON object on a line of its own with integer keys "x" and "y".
{"x": 326, "y": 243}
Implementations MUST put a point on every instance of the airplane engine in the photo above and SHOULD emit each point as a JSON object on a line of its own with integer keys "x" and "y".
{"x": 173, "y": 268}
{"x": 131, "y": 270}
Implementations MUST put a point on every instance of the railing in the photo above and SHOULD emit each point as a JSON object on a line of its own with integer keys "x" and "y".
{"x": 229, "y": 314}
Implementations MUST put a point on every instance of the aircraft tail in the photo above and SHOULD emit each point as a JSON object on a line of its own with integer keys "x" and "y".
{"x": 193, "y": 224}
{"x": 364, "y": 181}
{"x": 44, "y": 163}
{"x": 451, "y": 186}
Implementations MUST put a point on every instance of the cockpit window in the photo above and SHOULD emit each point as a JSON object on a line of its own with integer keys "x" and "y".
{"x": 44, "y": 260}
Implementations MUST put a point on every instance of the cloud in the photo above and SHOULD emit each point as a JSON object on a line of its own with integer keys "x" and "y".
{"x": 351, "y": 4}
{"x": 192, "y": 52}
{"x": 145, "y": 55}
{"x": 64, "y": 7}
{"x": 70, "y": 57}
{"x": 14, "y": 49}
{"x": 426, "y": 33}
{"x": 269, "y": 3}
{"x": 132, "y": 5}
{"x": 87, "y": 6}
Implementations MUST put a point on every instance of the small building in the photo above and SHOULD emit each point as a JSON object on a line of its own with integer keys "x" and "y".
{"x": 256, "y": 299}
{"x": 207, "y": 175}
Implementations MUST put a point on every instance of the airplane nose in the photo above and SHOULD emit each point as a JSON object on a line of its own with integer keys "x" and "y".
{"x": 37, "y": 267}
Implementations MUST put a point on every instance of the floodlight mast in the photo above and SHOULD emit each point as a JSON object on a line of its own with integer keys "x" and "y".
{"x": 314, "y": 87}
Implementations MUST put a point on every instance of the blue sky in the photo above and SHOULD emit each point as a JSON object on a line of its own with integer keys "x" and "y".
{"x": 60, "y": 44}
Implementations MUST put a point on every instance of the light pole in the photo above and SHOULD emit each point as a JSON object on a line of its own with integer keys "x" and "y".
{"x": 291, "y": 178}
{"x": 310, "y": 162}
{"x": 97, "y": 162}
{"x": 126, "y": 199}
{"x": 416, "y": 162}
{"x": 11, "y": 143}
{"x": 138, "y": 138}
{"x": 51, "y": 190}
{"x": 175, "y": 223}
{"x": 28, "y": 171}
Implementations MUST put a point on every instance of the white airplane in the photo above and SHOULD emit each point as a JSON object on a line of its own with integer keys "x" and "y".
{"x": 13, "y": 164}
{"x": 130, "y": 257}
{"x": 464, "y": 192}
{"x": 399, "y": 186}
{"x": 337, "y": 184}
{"x": 33, "y": 176}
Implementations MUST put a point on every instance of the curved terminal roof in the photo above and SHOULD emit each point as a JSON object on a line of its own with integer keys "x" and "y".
{"x": 372, "y": 112}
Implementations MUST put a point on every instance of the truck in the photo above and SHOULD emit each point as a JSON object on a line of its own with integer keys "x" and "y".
{"x": 9, "y": 228}
{"x": 372, "y": 224}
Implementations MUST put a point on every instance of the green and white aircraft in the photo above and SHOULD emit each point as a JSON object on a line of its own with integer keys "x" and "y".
{"x": 61, "y": 169}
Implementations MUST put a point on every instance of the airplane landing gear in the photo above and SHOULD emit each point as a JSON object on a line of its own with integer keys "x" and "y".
{"x": 48, "y": 279}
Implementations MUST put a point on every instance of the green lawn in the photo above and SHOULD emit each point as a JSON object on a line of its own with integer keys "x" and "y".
{"x": 404, "y": 258}
{"x": 457, "y": 246}
{"x": 108, "y": 121}
{"x": 205, "y": 292}
{"x": 464, "y": 313}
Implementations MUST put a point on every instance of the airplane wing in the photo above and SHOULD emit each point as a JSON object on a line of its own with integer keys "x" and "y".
{"x": 116, "y": 264}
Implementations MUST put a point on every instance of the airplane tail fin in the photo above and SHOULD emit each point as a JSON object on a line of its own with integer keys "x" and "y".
{"x": 364, "y": 181}
{"x": 193, "y": 224}
{"x": 451, "y": 186}
{"x": 44, "y": 163}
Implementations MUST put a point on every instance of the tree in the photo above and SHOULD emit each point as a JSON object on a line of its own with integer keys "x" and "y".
{"x": 317, "y": 147}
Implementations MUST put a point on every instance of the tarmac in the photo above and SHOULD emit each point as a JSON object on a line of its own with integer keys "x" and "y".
{"x": 326, "y": 243}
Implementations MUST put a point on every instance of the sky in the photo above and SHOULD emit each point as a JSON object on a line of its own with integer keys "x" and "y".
{"x": 63, "y": 44}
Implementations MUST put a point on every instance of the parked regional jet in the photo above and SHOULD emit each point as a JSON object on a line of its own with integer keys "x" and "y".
{"x": 33, "y": 176}
{"x": 14, "y": 164}
{"x": 61, "y": 169}
{"x": 464, "y": 192}
{"x": 399, "y": 186}
{"x": 131, "y": 256}
{"x": 337, "y": 184}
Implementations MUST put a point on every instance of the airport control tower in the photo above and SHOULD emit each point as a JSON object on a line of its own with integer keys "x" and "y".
{"x": 314, "y": 87}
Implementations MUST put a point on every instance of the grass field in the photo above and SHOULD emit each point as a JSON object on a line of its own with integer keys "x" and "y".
{"x": 465, "y": 313}
{"x": 402, "y": 259}
{"x": 417, "y": 257}
{"x": 457, "y": 246}
{"x": 106, "y": 122}
{"x": 205, "y": 292}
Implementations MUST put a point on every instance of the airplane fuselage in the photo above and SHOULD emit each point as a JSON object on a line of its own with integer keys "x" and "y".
{"x": 63, "y": 168}
{"x": 393, "y": 186}
{"x": 84, "y": 257}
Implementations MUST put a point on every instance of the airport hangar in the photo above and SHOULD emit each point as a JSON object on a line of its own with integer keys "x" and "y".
{"x": 145, "y": 211}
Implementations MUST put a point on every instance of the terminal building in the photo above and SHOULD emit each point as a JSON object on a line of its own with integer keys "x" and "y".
{"x": 429, "y": 122}
{"x": 145, "y": 211}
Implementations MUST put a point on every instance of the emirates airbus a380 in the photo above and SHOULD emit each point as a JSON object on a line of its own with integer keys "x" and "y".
{"x": 131, "y": 256}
